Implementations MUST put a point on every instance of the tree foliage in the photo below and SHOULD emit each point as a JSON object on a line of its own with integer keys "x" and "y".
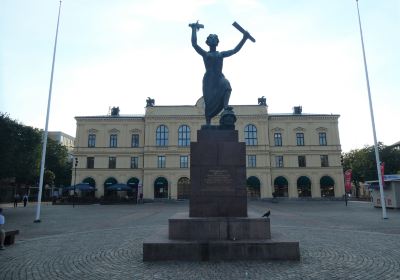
{"x": 57, "y": 161}
{"x": 49, "y": 177}
{"x": 363, "y": 163}
{"x": 20, "y": 151}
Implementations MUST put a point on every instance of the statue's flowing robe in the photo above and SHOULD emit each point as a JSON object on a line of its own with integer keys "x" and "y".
{"x": 215, "y": 85}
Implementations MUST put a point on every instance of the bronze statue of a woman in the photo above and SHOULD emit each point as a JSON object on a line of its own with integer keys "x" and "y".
{"x": 216, "y": 88}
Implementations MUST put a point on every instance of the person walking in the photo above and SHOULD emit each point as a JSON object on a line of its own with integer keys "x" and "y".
{"x": 25, "y": 199}
{"x": 16, "y": 199}
{"x": 2, "y": 231}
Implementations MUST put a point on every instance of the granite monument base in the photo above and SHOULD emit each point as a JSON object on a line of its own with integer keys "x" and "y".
{"x": 160, "y": 248}
{"x": 183, "y": 227}
{"x": 218, "y": 239}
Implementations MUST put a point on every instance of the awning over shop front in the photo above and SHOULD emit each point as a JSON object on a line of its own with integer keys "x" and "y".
{"x": 119, "y": 187}
{"x": 81, "y": 187}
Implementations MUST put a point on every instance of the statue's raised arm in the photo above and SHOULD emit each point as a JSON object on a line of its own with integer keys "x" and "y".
{"x": 246, "y": 35}
{"x": 196, "y": 27}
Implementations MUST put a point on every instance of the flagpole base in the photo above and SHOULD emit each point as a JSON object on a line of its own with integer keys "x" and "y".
{"x": 37, "y": 221}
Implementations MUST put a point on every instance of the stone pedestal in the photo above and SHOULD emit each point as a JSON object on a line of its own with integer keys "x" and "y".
{"x": 218, "y": 175}
{"x": 217, "y": 226}
{"x": 182, "y": 227}
{"x": 160, "y": 248}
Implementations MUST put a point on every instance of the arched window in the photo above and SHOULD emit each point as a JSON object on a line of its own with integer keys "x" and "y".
{"x": 304, "y": 186}
{"x": 110, "y": 181}
{"x": 161, "y": 188}
{"x": 90, "y": 181}
{"x": 327, "y": 186}
{"x": 184, "y": 188}
{"x": 162, "y": 135}
{"x": 250, "y": 135}
{"x": 281, "y": 187}
{"x": 184, "y": 136}
{"x": 253, "y": 187}
{"x": 134, "y": 184}
{"x": 108, "y": 194}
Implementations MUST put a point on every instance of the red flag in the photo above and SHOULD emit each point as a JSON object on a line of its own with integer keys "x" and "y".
{"x": 382, "y": 173}
{"x": 347, "y": 179}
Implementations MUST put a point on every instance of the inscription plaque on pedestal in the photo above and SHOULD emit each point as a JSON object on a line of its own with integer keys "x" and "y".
{"x": 218, "y": 175}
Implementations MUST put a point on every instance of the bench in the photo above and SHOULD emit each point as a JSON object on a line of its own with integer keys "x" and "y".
{"x": 10, "y": 237}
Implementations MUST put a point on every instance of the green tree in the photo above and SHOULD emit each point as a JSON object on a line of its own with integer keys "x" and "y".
{"x": 391, "y": 157}
{"x": 363, "y": 164}
{"x": 21, "y": 149}
{"x": 49, "y": 177}
{"x": 57, "y": 161}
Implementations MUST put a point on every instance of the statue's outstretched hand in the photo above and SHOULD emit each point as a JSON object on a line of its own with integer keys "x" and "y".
{"x": 196, "y": 26}
{"x": 246, "y": 35}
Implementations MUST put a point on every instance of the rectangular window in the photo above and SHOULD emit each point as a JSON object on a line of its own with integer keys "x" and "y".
{"x": 324, "y": 161}
{"x": 134, "y": 162}
{"x": 251, "y": 161}
{"x": 322, "y": 139}
{"x": 184, "y": 162}
{"x": 300, "y": 139}
{"x": 279, "y": 161}
{"x": 90, "y": 162}
{"x": 278, "y": 139}
{"x": 135, "y": 140}
{"x": 112, "y": 162}
{"x": 302, "y": 161}
{"x": 161, "y": 162}
{"x": 92, "y": 140}
{"x": 113, "y": 140}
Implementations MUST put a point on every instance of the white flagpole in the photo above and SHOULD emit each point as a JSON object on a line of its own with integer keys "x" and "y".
{"x": 37, "y": 220}
{"x": 378, "y": 162}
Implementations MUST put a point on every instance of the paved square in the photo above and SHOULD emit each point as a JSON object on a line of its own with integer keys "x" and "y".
{"x": 105, "y": 242}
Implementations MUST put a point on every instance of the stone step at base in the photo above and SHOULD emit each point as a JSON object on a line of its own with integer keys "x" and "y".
{"x": 183, "y": 227}
{"x": 160, "y": 248}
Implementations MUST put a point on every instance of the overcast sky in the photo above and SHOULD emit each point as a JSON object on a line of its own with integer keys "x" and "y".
{"x": 117, "y": 53}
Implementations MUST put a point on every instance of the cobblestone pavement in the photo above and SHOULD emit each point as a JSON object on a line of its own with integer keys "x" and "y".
{"x": 105, "y": 242}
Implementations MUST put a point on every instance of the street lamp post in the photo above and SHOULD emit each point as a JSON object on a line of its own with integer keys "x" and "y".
{"x": 73, "y": 199}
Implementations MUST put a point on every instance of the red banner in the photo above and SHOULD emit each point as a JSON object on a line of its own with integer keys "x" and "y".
{"x": 347, "y": 180}
{"x": 383, "y": 173}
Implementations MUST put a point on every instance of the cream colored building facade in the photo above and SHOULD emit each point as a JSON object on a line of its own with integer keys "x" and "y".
{"x": 64, "y": 139}
{"x": 289, "y": 155}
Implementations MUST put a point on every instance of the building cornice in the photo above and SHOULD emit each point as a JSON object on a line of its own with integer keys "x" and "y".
{"x": 302, "y": 117}
{"x": 110, "y": 118}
